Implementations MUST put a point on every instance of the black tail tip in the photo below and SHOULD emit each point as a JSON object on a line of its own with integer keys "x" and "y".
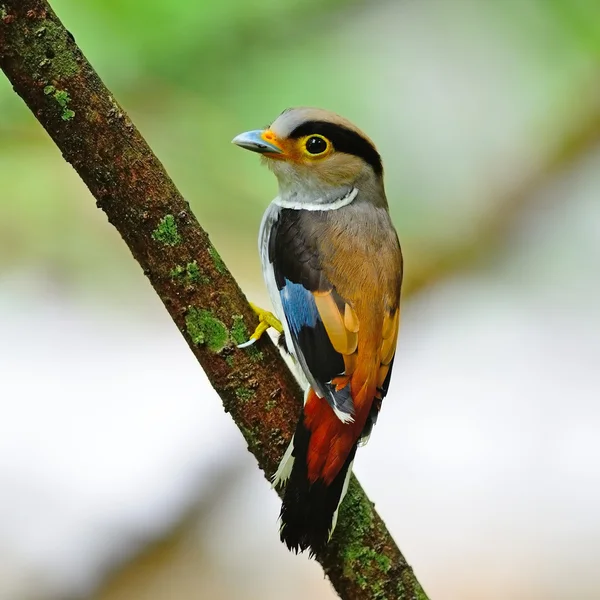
{"x": 300, "y": 538}
{"x": 307, "y": 512}
{"x": 309, "y": 507}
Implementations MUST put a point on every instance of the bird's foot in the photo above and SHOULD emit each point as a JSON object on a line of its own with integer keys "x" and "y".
{"x": 266, "y": 319}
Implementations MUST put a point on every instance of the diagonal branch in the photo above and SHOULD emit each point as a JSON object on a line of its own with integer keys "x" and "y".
{"x": 47, "y": 69}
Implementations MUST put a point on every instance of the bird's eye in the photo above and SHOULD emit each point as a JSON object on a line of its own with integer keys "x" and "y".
{"x": 316, "y": 144}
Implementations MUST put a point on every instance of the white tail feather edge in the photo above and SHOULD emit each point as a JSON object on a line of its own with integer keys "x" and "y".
{"x": 344, "y": 490}
{"x": 284, "y": 470}
{"x": 363, "y": 441}
{"x": 342, "y": 416}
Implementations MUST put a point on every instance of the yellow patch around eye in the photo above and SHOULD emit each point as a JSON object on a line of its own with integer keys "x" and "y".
{"x": 315, "y": 146}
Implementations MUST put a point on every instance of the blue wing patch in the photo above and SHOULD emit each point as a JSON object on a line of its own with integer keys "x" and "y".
{"x": 298, "y": 275}
{"x": 317, "y": 355}
{"x": 299, "y": 306}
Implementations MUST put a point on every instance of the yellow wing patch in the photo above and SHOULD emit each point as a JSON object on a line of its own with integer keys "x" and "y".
{"x": 343, "y": 339}
{"x": 390, "y": 337}
{"x": 391, "y": 324}
{"x": 350, "y": 319}
{"x": 342, "y": 326}
{"x": 350, "y": 363}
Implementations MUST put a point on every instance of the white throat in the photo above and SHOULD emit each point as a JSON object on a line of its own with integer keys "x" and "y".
{"x": 318, "y": 204}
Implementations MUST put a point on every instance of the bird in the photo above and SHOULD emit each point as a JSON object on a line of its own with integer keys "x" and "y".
{"x": 332, "y": 264}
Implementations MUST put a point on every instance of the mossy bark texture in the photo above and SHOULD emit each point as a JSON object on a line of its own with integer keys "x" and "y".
{"x": 50, "y": 73}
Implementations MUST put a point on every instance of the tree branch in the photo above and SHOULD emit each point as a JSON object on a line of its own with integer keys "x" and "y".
{"x": 47, "y": 69}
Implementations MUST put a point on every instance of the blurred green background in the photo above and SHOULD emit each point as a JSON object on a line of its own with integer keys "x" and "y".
{"x": 487, "y": 115}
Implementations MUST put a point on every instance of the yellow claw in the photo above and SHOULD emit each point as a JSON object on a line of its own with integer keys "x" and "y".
{"x": 266, "y": 319}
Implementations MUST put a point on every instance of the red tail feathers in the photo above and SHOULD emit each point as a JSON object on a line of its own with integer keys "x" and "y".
{"x": 323, "y": 451}
{"x": 330, "y": 440}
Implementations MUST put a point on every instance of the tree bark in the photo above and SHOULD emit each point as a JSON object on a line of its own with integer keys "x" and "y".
{"x": 50, "y": 73}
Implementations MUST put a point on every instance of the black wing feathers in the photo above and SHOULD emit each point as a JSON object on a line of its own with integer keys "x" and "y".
{"x": 296, "y": 262}
{"x": 293, "y": 253}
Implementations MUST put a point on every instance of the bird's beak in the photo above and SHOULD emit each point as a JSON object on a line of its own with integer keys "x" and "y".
{"x": 258, "y": 140}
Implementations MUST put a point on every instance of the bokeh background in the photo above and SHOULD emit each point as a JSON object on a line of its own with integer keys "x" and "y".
{"x": 120, "y": 475}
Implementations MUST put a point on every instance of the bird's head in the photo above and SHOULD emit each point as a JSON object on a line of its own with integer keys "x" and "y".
{"x": 317, "y": 156}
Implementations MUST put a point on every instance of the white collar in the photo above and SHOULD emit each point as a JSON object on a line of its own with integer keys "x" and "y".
{"x": 297, "y": 205}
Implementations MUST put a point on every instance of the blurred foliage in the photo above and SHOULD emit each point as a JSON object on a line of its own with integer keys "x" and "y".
{"x": 467, "y": 101}
{"x": 192, "y": 75}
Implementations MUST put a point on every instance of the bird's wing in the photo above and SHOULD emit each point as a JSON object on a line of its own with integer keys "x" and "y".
{"x": 322, "y": 319}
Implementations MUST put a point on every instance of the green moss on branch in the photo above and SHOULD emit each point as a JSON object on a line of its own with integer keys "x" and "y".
{"x": 190, "y": 274}
{"x": 204, "y": 328}
{"x": 244, "y": 393}
{"x": 62, "y": 98}
{"x": 166, "y": 231}
{"x": 217, "y": 260}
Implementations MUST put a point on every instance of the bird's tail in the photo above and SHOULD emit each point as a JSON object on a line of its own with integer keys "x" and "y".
{"x": 316, "y": 470}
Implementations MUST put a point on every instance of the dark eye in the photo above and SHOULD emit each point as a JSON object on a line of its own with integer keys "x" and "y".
{"x": 316, "y": 145}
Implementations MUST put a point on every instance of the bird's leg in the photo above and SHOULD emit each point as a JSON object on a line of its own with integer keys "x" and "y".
{"x": 266, "y": 319}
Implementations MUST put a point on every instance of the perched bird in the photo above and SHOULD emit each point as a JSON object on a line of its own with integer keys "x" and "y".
{"x": 333, "y": 267}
